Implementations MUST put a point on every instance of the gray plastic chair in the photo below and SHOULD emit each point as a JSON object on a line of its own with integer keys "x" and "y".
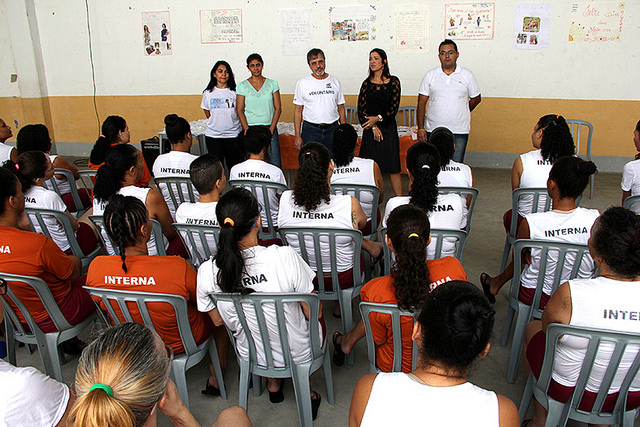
{"x": 406, "y": 116}
{"x": 262, "y": 189}
{"x": 37, "y": 217}
{"x": 559, "y": 413}
{"x": 577, "y": 126}
{"x": 463, "y": 192}
{"x": 52, "y": 185}
{"x": 179, "y": 190}
{"x": 396, "y": 314}
{"x": 47, "y": 343}
{"x": 181, "y": 362}
{"x": 438, "y": 235}
{"x": 88, "y": 178}
{"x": 570, "y": 257}
{"x": 112, "y": 249}
{"x": 356, "y": 190}
{"x": 352, "y": 115}
{"x": 630, "y": 201}
{"x": 201, "y": 241}
{"x": 258, "y": 334}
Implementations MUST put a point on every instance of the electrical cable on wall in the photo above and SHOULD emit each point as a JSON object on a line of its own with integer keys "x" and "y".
{"x": 93, "y": 69}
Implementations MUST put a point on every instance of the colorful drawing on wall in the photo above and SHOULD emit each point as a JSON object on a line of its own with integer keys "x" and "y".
{"x": 352, "y": 23}
{"x": 412, "y": 25}
{"x": 469, "y": 21}
{"x": 221, "y": 26}
{"x": 598, "y": 21}
{"x": 532, "y": 26}
{"x": 156, "y": 30}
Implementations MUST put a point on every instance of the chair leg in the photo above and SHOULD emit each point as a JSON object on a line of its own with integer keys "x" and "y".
{"x": 592, "y": 181}
{"x": 303, "y": 396}
{"x": 527, "y": 395}
{"x": 507, "y": 325}
{"x": 629, "y": 418}
{"x": 215, "y": 361}
{"x": 516, "y": 344}
{"x": 50, "y": 355}
{"x": 257, "y": 385}
{"x": 554, "y": 414}
{"x": 243, "y": 384}
{"x": 10, "y": 341}
{"x": 347, "y": 318}
{"x": 328, "y": 378}
{"x": 179, "y": 376}
{"x": 505, "y": 253}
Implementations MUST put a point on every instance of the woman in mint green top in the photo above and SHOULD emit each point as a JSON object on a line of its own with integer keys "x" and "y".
{"x": 258, "y": 104}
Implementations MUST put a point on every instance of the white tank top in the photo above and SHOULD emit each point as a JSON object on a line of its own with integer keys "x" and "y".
{"x": 397, "y": 399}
{"x": 5, "y": 152}
{"x": 63, "y": 185}
{"x": 174, "y": 163}
{"x": 571, "y": 227}
{"x": 359, "y": 171}
{"x": 335, "y": 214}
{"x": 535, "y": 172}
{"x": 199, "y": 214}
{"x": 39, "y": 197}
{"x": 605, "y": 304}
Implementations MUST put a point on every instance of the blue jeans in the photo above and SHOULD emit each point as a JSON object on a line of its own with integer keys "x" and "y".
{"x": 460, "y": 142}
{"x": 314, "y": 133}
{"x": 273, "y": 156}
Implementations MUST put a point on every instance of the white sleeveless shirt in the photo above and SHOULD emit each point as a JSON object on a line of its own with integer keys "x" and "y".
{"x": 199, "y": 214}
{"x": 359, "y": 171}
{"x": 40, "y": 197}
{"x": 535, "y": 172}
{"x": 63, "y": 185}
{"x": 173, "y": 163}
{"x": 5, "y": 152}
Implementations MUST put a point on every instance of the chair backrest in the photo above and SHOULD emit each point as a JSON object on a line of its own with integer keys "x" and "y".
{"x": 88, "y": 178}
{"x": 578, "y": 129}
{"x": 439, "y": 236}
{"x": 356, "y": 190}
{"x": 262, "y": 190}
{"x": 620, "y": 342}
{"x": 124, "y": 300}
{"x": 632, "y": 203}
{"x": 463, "y": 192}
{"x": 112, "y": 248}
{"x": 407, "y": 116}
{"x": 567, "y": 257}
{"x": 396, "y": 314}
{"x": 352, "y": 115}
{"x": 39, "y": 217}
{"x": 201, "y": 241}
{"x": 541, "y": 203}
{"x": 51, "y": 184}
{"x": 176, "y": 190}
{"x": 310, "y": 243}
{"x": 256, "y": 329}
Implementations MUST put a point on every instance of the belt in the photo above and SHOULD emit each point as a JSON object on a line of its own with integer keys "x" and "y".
{"x": 322, "y": 125}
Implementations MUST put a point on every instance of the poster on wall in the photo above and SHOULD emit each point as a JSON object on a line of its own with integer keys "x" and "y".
{"x": 221, "y": 26}
{"x": 352, "y": 23}
{"x": 469, "y": 21}
{"x": 295, "y": 30}
{"x": 412, "y": 25}
{"x": 597, "y": 21}
{"x": 532, "y": 26}
{"x": 156, "y": 29}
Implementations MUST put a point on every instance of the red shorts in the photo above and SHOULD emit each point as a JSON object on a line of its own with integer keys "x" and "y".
{"x": 85, "y": 198}
{"x": 526, "y": 296}
{"x": 506, "y": 221}
{"x": 176, "y": 247}
{"x": 561, "y": 393}
{"x": 76, "y": 306}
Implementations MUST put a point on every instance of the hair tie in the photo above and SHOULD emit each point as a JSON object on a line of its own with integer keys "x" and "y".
{"x": 558, "y": 116}
{"x": 413, "y": 235}
{"x": 17, "y": 167}
{"x": 228, "y": 220}
{"x": 102, "y": 136}
{"x": 102, "y": 387}
{"x": 426, "y": 167}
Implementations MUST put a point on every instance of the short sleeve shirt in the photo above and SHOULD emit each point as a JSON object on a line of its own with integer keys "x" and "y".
{"x": 320, "y": 99}
{"x": 258, "y": 104}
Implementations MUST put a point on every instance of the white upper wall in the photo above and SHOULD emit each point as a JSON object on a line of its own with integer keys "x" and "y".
{"x": 566, "y": 70}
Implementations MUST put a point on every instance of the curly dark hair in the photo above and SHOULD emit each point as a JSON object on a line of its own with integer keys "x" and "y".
{"x": 615, "y": 237}
{"x": 423, "y": 163}
{"x": 33, "y": 138}
{"x": 123, "y": 217}
{"x": 345, "y": 138}
{"x": 311, "y": 187}
{"x": 408, "y": 229}
{"x": 556, "y": 138}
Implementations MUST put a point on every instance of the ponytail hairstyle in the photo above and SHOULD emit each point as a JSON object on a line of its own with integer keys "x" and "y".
{"x": 408, "y": 229}
{"x": 31, "y": 166}
{"x": 133, "y": 364}
{"x": 571, "y": 174}
{"x": 33, "y": 138}
{"x": 120, "y": 158}
{"x": 8, "y": 185}
{"x": 111, "y": 128}
{"x": 177, "y": 128}
{"x": 123, "y": 217}
{"x": 214, "y": 81}
{"x": 237, "y": 212}
{"x": 457, "y": 322}
{"x": 615, "y": 237}
{"x": 311, "y": 187}
{"x": 423, "y": 163}
{"x": 256, "y": 139}
{"x": 556, "y": 138}
{"x": 345, "y": 138}
{"x": 443, "y": 139}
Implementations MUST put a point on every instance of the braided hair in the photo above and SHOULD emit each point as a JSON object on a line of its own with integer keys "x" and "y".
{"x": 123, "y": 217}
{"x": 311, "y": 187}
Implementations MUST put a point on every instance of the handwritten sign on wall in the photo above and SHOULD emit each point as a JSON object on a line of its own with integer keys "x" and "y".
{"x": 596, "y": 21}
{"x": 469, "y": 21}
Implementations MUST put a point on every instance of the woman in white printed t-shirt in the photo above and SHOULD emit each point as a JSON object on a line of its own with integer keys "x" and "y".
{"x": 631, "y": 173}
{"x": 350, "y": 169}
{"x": 7, "y": 152}
{"x": 445, "y": 210}
{"x": 176, "y": 162}
{"x": 224, "y": 132}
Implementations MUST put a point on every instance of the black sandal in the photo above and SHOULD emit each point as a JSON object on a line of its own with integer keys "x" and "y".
{"x": 338, "y": 354}
{"x": 486, "y": 288}
{"x": 315, "y": 404}
{"x": 277, "y": 396}
{"x": 210, "y": 390}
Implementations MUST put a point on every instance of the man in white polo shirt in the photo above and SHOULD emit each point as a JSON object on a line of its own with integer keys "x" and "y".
{"x": 319, "y": 104}
{"x": 452, "y": 93}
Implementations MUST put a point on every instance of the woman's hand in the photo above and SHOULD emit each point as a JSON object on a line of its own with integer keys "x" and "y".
{"x": 371, "y": 120}
{"x": 377, "y": 134}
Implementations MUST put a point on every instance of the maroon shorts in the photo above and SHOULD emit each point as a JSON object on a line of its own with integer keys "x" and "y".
{"x": 561, "y": 393}
{"x": 366, "y": 231}
{"x": 176, "y": 247}
{"x": 85, "y": 198}
{"x": 86, "y": 239}
{"x": 345, "y": 279}
{"x": 526, "y": 296}
{"x": 506, "y": 221}
{"x": 75, "y": 307}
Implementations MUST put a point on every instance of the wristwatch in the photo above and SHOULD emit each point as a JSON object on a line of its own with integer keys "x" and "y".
{"x": 380, "y": 117}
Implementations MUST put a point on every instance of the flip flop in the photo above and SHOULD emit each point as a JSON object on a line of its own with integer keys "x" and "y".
{"x": 315, "y": 405}
{"x": 210, "y": 390}
{"x": 338, "y": 354}
{"x": 486, "y": 288}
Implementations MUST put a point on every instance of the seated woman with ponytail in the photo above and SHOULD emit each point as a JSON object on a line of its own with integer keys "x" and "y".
{"x": 123, "y": 376}
{"x": 445, "y": 211}
{"x": 410, "y": 282}
{"x": 114, "y": 131}
{"x": 124, "y": 166}
{"x": 33, "y": 169}
{"x": 280, "y": 268}
{"x": 452, "y": 331}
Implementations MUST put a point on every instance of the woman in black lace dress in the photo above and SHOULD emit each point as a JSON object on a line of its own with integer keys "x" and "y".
{"x": 378, "y": 104}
